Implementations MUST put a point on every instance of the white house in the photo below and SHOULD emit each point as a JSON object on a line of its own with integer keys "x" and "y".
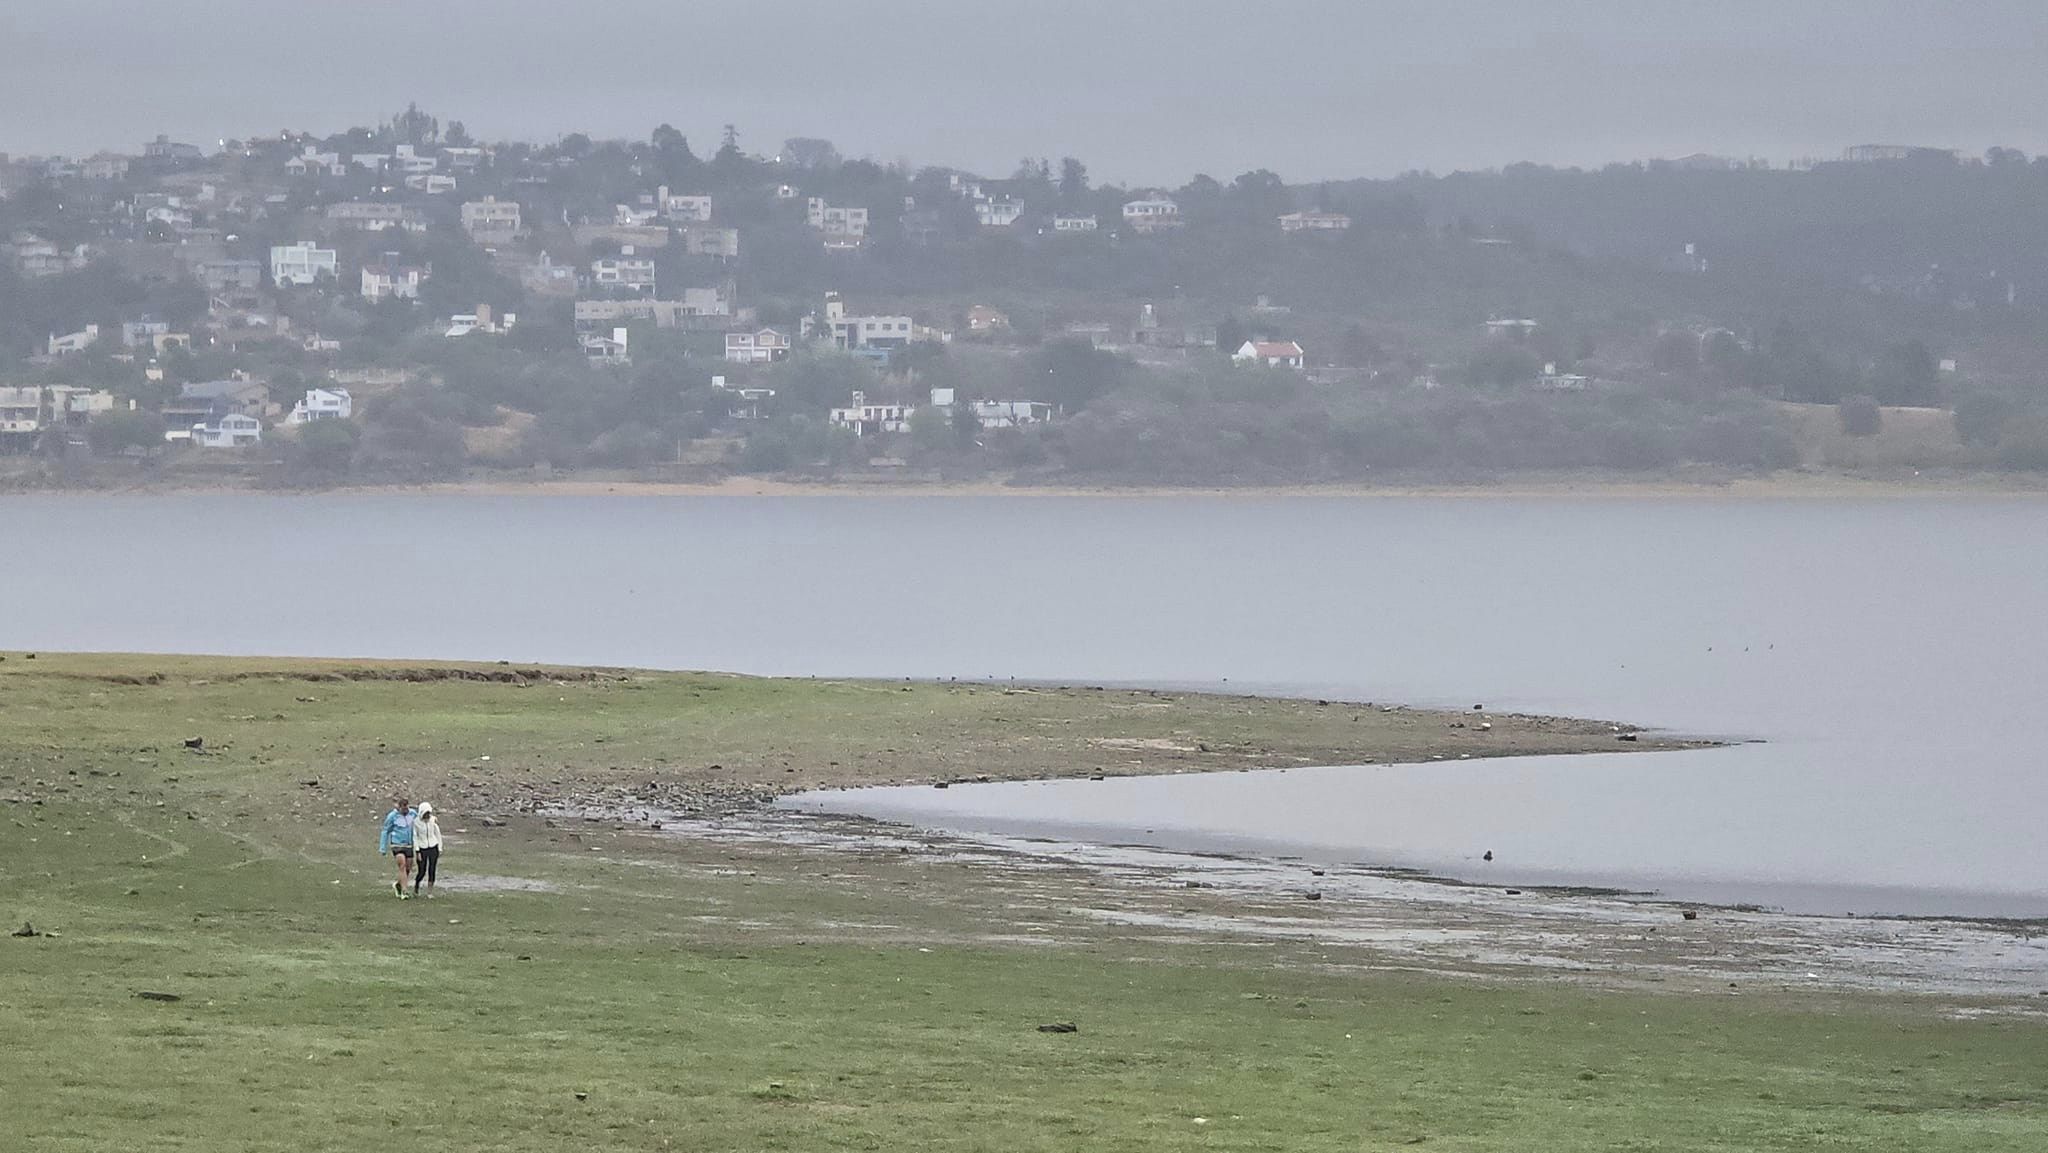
{"x": 606, "y": 349}
{"x": 491, "y": 220}
{"x": 864, "y": 418}
{"x": 1314, "y": 222}
{"x": 322, "y": 404}
{"x": 374, "y": 216}
{"x": 72, "y": 342}
{"x": 313, "y": 162}
{"x": 625, "y": 271}
{"x": 1075, "y": 224}
{"x": 998, "y": 213}
{"x": 1152, "y": 214}
{"x": 431, "y": 183}
{"x": 851, "y": 332}
{"x": 764, "y": 347}
{"x": 482, "y": 320}
{"x": 300, "y": 263}
{"x": 232, "y": 430}
{"x": 845, "y": 225}
{"x": 390, "y": 280}
{"x": 685, "y": 209}
{"x": 1272, "y": 354}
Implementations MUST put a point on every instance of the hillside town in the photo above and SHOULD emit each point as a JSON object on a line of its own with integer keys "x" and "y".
{"x": 279, "y": 298}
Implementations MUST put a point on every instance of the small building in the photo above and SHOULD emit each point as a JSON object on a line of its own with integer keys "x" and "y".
{"x": 71, "y": 342}
{"x": 203, "y": 400}
{"x": 703, "y": 240}
{"x": 766, "y": 346}
{"x": 1272, "y": 354}
{"x": 164, "y": 148}
{"x": 483, "y": 320}
{"x": 1075, "y": 224}
{"x": 313, "y": 162}
{"x": 301, "y": 263}
{"x": 491, "y": 220}
{"x": 982, "y": 318}
{"x": 546, "y": 278}
{"x": 865, "y": 419}
{"x": 1314, "y": 222}
{"x": 606, "y": 349}
{"x": 684, "y": 209}
{"x": 389, "y": 279}
{"x": 841, "y": 226}
{"x": 993, "y": 414}
{"x": 374, "y": 216}
{"x": 1551, "y": 380}
{"x": 1155, "y": 213}
{"x": 322, "y": 404}
{"x": 231, "y": 430}
{"x": 229, "y": 275}
{"x": 1514, "y": 328}
{"x": 624, "y": 273}
{"x": 998, "y": 213}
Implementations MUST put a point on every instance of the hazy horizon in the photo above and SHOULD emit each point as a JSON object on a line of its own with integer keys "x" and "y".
{"x": 1149, "y": 92}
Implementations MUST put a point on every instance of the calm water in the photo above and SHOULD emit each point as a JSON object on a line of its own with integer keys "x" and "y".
{"x": 1893, "y": 653}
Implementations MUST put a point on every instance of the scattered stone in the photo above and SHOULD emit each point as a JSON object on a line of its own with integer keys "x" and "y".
{"x": 1630, "y": 737}
{"x": 151, "y": 995}
{"x": 1487, "y": 855}
{"x": 581, "y": 1096}
{"x": 1060, "y": 1027}
{"x": 1514, "y": 892}
{"x": 195, "y": 743}
{"x": 1312, "y": 895}
{"x": 941, "y": 784}
{"x": 495, "y": 823}
{"x": 1691, "y": 914}
{"x": 1315, "y": 872}
{"x": 26, "y": 930}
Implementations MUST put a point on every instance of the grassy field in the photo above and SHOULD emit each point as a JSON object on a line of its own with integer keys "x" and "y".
{"x": 616, "y": 988}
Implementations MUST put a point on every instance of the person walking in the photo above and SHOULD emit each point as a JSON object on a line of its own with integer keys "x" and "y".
{"x": 396, "y": 839}
{"x": 426, "y": 839}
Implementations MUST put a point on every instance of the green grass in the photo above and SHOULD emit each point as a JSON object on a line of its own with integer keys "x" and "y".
{"x": 706, "y": 996}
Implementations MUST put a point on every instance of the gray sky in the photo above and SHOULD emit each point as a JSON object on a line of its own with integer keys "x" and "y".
{"x": 1143, "y": 90}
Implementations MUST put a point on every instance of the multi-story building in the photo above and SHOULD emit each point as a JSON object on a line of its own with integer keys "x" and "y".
{"x": 301, "y": 263}
{"x": 374, "y": 216}
{"x": 491, "y": 220}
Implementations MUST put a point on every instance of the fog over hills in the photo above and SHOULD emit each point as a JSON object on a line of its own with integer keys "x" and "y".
{"x": 1147, "y": 90}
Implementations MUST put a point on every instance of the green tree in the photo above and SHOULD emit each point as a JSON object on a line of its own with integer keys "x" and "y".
{"x": 113, "y": 433}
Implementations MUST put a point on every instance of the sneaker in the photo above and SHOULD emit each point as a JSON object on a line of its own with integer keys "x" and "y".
{"x": 398, "y": 890}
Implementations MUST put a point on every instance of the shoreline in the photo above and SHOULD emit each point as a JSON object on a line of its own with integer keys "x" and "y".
{"x": 1786, "y": 485}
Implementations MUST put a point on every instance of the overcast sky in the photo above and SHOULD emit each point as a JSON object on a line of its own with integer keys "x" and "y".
{"x": 1143, "y": 90}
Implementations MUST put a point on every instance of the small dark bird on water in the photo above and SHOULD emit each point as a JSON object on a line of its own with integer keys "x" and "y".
{"x": 1487, "y": 856}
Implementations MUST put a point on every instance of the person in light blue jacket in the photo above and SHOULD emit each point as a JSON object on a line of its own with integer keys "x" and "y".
{"x": 396, "y": 839}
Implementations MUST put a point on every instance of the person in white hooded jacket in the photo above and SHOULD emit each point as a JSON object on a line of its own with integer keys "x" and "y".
{"x": 426, "y": 842}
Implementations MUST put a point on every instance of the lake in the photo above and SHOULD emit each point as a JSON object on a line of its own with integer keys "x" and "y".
{"x": 1890, "y": 652}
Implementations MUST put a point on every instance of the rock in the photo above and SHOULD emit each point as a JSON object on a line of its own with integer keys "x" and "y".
{"x": 1630, "y": 737}
{"x": 580, "y": 1096}
{"x": 1315, "y": 872}
{"x": 941, "y": 784}
{"x": 26, "y": 930}
{"x": 151, "y": 995}
{"x": 195, "y": 742}
{"x": 1060, "y": 1027}
{"x": 1487, "y": 855}
{"x": 1312, "y": 895}
{"x": 1691, "y": 914}
{"x": 493, "y": 823}
{"x": 1514, "y": 892}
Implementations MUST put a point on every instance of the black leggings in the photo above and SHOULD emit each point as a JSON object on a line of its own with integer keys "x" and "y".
{"x": 427, "y": 865}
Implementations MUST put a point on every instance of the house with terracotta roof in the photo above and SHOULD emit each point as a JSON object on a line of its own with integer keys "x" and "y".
{"x": 1272, "y": 354}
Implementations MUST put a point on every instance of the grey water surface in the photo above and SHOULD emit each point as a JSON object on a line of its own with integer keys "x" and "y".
{"x": 1889, "y": 652}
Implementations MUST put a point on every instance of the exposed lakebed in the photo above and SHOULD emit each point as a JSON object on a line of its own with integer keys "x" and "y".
{"x": 1890, "y": 652}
